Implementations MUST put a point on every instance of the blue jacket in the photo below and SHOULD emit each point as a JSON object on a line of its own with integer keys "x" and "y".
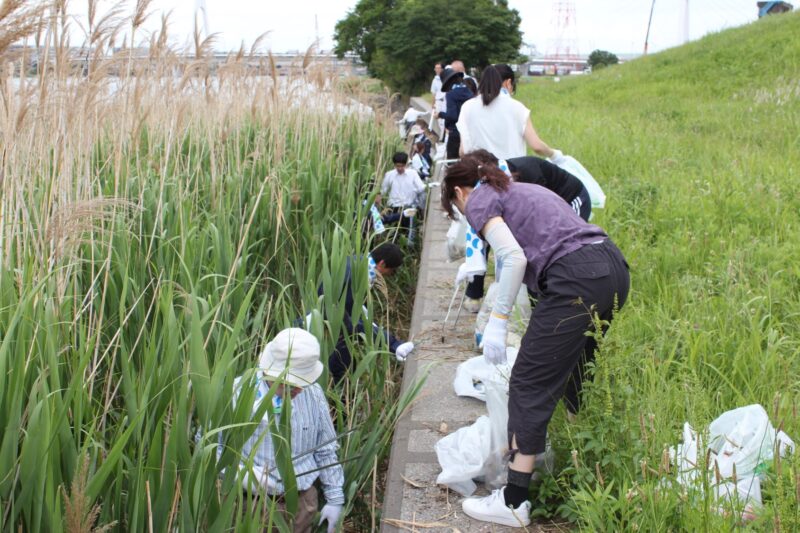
{"x": 455, "y": 98}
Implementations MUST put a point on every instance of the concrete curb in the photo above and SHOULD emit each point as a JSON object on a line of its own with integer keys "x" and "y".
{"x": 412, "y": 496}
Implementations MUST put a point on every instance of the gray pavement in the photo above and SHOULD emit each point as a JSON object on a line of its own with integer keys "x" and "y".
{"x": 413, "y": 501}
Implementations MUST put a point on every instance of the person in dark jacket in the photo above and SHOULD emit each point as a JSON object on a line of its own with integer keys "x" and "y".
{"x": 456, "y": 93}
{"x": 384, "y": 260}
{"x": 539, "y": 171}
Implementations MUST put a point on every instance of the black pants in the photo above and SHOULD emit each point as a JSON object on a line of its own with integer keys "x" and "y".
{"x": 453, "y": 143}
{"x": 550, "y": 363}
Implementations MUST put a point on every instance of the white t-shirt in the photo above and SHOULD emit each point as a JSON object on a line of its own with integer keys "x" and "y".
{"x": 498, "y": 127}
{"x": 436, "y": 85}
{"x": 402, "y": 188}
{"x": 419, "y": 164}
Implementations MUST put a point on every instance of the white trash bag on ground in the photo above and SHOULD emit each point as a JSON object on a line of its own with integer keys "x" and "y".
{"x": 743, "y": 438}
{"x": 462, "y": 455}
{"x": 478, "y": 452}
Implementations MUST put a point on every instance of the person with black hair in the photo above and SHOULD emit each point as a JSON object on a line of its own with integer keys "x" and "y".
{"x": 581, "y": 280}
{"x": 456, "y": 93}
{"x": 383, "y": 261}
{"x": 402, "y": 185}
{"x": 496, "y": 122}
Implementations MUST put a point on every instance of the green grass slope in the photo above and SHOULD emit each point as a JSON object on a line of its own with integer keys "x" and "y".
{"x": 698, "y": 149}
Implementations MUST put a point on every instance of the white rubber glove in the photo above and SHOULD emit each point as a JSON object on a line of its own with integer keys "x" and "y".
{"x": 331, "y": 512}
{"x": 466, "y": 273}
{"x": 403, "y": 351}
{"x": 494, "y": 340}
{"x": 557, "y": 158}
{"x": 433, "y": 184}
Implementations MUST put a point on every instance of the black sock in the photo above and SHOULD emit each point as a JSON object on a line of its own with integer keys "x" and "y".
{"x": 516, "y": 490}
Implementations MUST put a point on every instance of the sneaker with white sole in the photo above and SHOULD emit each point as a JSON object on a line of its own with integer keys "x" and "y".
{"x": 472, "y": 305}
{"x": 493, "y": 508}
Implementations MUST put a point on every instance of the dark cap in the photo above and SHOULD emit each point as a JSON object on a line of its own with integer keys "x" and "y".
{"x": 449, "y": 77}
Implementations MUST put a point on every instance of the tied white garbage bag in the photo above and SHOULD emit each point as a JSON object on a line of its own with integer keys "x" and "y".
{"x": 743, "y": 438}
{"x": 571, "y": 165}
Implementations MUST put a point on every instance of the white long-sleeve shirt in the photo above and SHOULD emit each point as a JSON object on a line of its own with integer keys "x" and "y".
{"x": 312, "y": 428}
{"x": 402, "y": 188}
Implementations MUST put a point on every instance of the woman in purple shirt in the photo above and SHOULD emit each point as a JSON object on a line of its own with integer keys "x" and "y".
{"x": 578, "y": 276}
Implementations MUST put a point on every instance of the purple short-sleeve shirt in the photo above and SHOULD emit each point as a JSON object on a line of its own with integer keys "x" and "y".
{"x": 543, "y": 224}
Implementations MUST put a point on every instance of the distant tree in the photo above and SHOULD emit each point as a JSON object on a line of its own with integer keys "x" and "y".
{"x": 401, "y": 40}
{"x": 601, "y": 58}
{"x": 359, "y": 29}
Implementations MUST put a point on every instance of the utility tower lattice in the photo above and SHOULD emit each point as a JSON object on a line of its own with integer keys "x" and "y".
{"x": 564, "y": 45}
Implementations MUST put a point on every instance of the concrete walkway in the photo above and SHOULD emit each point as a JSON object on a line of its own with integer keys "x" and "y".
{"x": 413, "y": 501}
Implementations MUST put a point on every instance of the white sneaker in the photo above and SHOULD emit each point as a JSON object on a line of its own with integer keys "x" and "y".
{"x": 493, "y": 508}
{"x": 472, "y": 305}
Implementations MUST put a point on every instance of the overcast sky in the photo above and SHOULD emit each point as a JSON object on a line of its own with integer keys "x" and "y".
{"x": 615, "y": 25}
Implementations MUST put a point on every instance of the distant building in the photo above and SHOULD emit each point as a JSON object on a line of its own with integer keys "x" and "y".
{"x": 773, "y": 8}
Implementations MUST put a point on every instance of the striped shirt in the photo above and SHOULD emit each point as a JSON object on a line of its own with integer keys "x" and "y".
{"x": 311, "y": 427}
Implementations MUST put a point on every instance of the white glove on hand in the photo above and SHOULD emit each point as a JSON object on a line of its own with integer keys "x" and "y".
{"x": 465, "y": 273}
{"x": 557, "y": 158}
{"x": 331, "y": 512}
{"x": 403, "y": 351}
{"x": 433, "y": 184}
{"x": 494, "y": 340}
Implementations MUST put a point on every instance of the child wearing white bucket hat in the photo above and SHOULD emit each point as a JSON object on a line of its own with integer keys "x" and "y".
{"x": 291, "y": 361}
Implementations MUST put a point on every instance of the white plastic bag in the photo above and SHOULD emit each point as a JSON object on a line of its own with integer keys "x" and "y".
{"x": 571, "y": 165}
{"x": 457, "y": 239}
{"x": 743, "y": 437}
{"x": 495, "y": 469}
{"x": 462, "y": 455}
{"x": 471, "y": 376}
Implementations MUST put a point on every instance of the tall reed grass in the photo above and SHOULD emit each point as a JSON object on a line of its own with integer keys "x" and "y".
{"x": 160, "y": 219}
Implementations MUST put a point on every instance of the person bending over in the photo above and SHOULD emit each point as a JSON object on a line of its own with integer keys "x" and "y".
{"x": 384, "y": 261}
{"x": 291, "y": 361}
{"x": 536, "y": 171}
{"x": 578, "y": 275}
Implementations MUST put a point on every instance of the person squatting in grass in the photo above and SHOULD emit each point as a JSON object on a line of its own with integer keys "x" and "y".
{"x": 577, "y": 273}
{"x": 404, "y": 188}
{"x": 384, "y": 260}
{"x": 291, "y": 361}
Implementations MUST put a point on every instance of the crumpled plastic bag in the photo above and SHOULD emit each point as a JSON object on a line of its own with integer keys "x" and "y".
{"x": 473, "y": 374}
{"x": 743, "y": 438}
{"x": 573, "y": 166}
{"x": 478, "y": 452}
{"x": 462, "y": 455}
{"x": 456, "y": 239}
